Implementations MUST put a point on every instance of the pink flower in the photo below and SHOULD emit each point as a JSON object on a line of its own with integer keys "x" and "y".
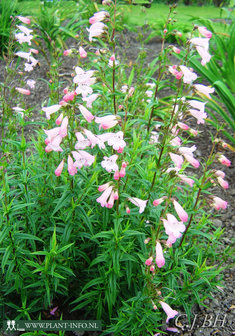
{"x": 19, "y": 110}
{"x": 220, "y": 173}
{"x": 82, "y": 52}
{"x": 23, "y": 91}
{"x": 177, "y": 159}
{"x": 21, "y": 38}
{"x": 86, "y": 114}
{"x": 68, "y": 97}
{"x": 71, "y": 168}
{"x": 24, "y": 19}
{"x": 198, "y": 110}
{"x": 63, "y": 127}
{"x": 176, "y": 50}
{"x": 168, "y": 310}
{"x": 158, "y": 201}
{"x": 103, "y": 198}
{"x": 218, "y": 203}
{"x": 186, "y": 179}
{"x": 194, "y": 162}
{"x": 106, "y": 122}
{"x": 224, "y": 184}
{"x": 111, "y": 200}
{"x": 25, "y": 30}
{"x": 96, "y": 30}
{"x": 59, "y": 169}
{"x": 152, "y": 269}
{"x": 99, "y": 16}
{"x": 23, "y": 54}
{"x": 139, "y": 203}
{"x": 59, "y": 119}
{"x": 116, "y": 175}
{"x": 54, "y": 144}
{"x": 51, "y": 109}
{"x": 67, "y": 52}
{"x": 116, "y": 140}
{"x": 205, "y": 90}
{"x": 173, "y": 70}
{"x": 31, "y": 83}
{"x": 189, "y": 76}
{"x": 90, "y": 99}
{"x": 222, "y": 159}
{"x": 173, "y": 227}
{"x": 204, "y": 32}
{"x": 109, "y": 163}
{"x": 34, "y": 51}
{"x": 204, "y": 55}
{"x": 103, "y": 187}
{"x": 83, "y": 158}
{"x": 201, "y": 42}
{"x": 183, "y": 126}
{"x": 122, "y": 172}
{"x": 160, "y": 260}
{"x": 148, "y": 262}
{"x": 180, "y": 211}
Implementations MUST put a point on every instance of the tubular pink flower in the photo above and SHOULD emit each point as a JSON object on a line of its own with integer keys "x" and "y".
{"x": 96, "y": 29}
{"x": 204, "y": 32}
{"x": 222, "y": 159}
{"x": 82, "y": 141}
{"x": 180, "y": 211}
{"x": 103, "y": 198}
{"x": 24, "y": 19}
{"x": 23, "y": 91}
{"x": 23, "y": 54}
{"x": 34, "y": 51}
{"x": 168, "y": 310}
{"x": 51, "y": 109}
{"x": 59, "y": 119}
{"x": 99, "y": 16}
{"x": 160, "y": 260}
{"x": 82, "y": 52}
{"x": 22, "y": 38}
{"x": 116, "y": 175}
{"x": 86, "y": 114}
{"x": 90, "y": 99}
{"x": 194, "y": 162}
{"x": 68, "y": 97}
{"x": 71, "y": 168}
{"x": 111, "y": 200}
{"x": 204, "y": 55}
{"x": 152, "y": 268}
{"x": 176, "y": 141}
{"x": 177, "y": 159}
{"x": 158, "y": 201}
{"x": 220, "y": 173}
{"x": 103, "y": 187}
{"x": 25, "y": 30}
{"x": 224, "y": 184}
{"x": 87, "y": 158}
{"x": 91, "y": 137}
{"x": 109, "y": 163}
{"x": 63, "y": 128}
{"x": 139, "y": 203}
{"x": 116, "y": 140}
{"x": 54, "y": 145}
{"x": 218, "y": 203}
{"x": 173, "y": 227}
{"x": 122, "y": 172}
{"x": 205, "y": 90}
{"x": 176, "y": 50}
{"x": 106, "y": 122}
{"x": 186, "y": 179}
{"x": 189, "y": 76}
{"x": 183, "y": 126}
{"x": 67, "y": 52}
{"x": 31, "y": 83}
{"x": 59, "y": 169}
{"x": 201, "y": 42}
{"x": 148, "y": 262}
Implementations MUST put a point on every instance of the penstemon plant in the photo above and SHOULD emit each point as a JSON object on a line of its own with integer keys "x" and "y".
{"x": 112, "y": 213}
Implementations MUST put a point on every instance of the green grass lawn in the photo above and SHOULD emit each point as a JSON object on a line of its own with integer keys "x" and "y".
{"x": 186, "y": 15}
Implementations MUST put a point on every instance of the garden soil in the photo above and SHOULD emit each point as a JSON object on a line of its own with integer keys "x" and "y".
{"x": 217, "y": 316}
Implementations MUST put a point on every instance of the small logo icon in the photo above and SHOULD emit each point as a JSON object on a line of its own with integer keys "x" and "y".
{"x": 11, "y": 325}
